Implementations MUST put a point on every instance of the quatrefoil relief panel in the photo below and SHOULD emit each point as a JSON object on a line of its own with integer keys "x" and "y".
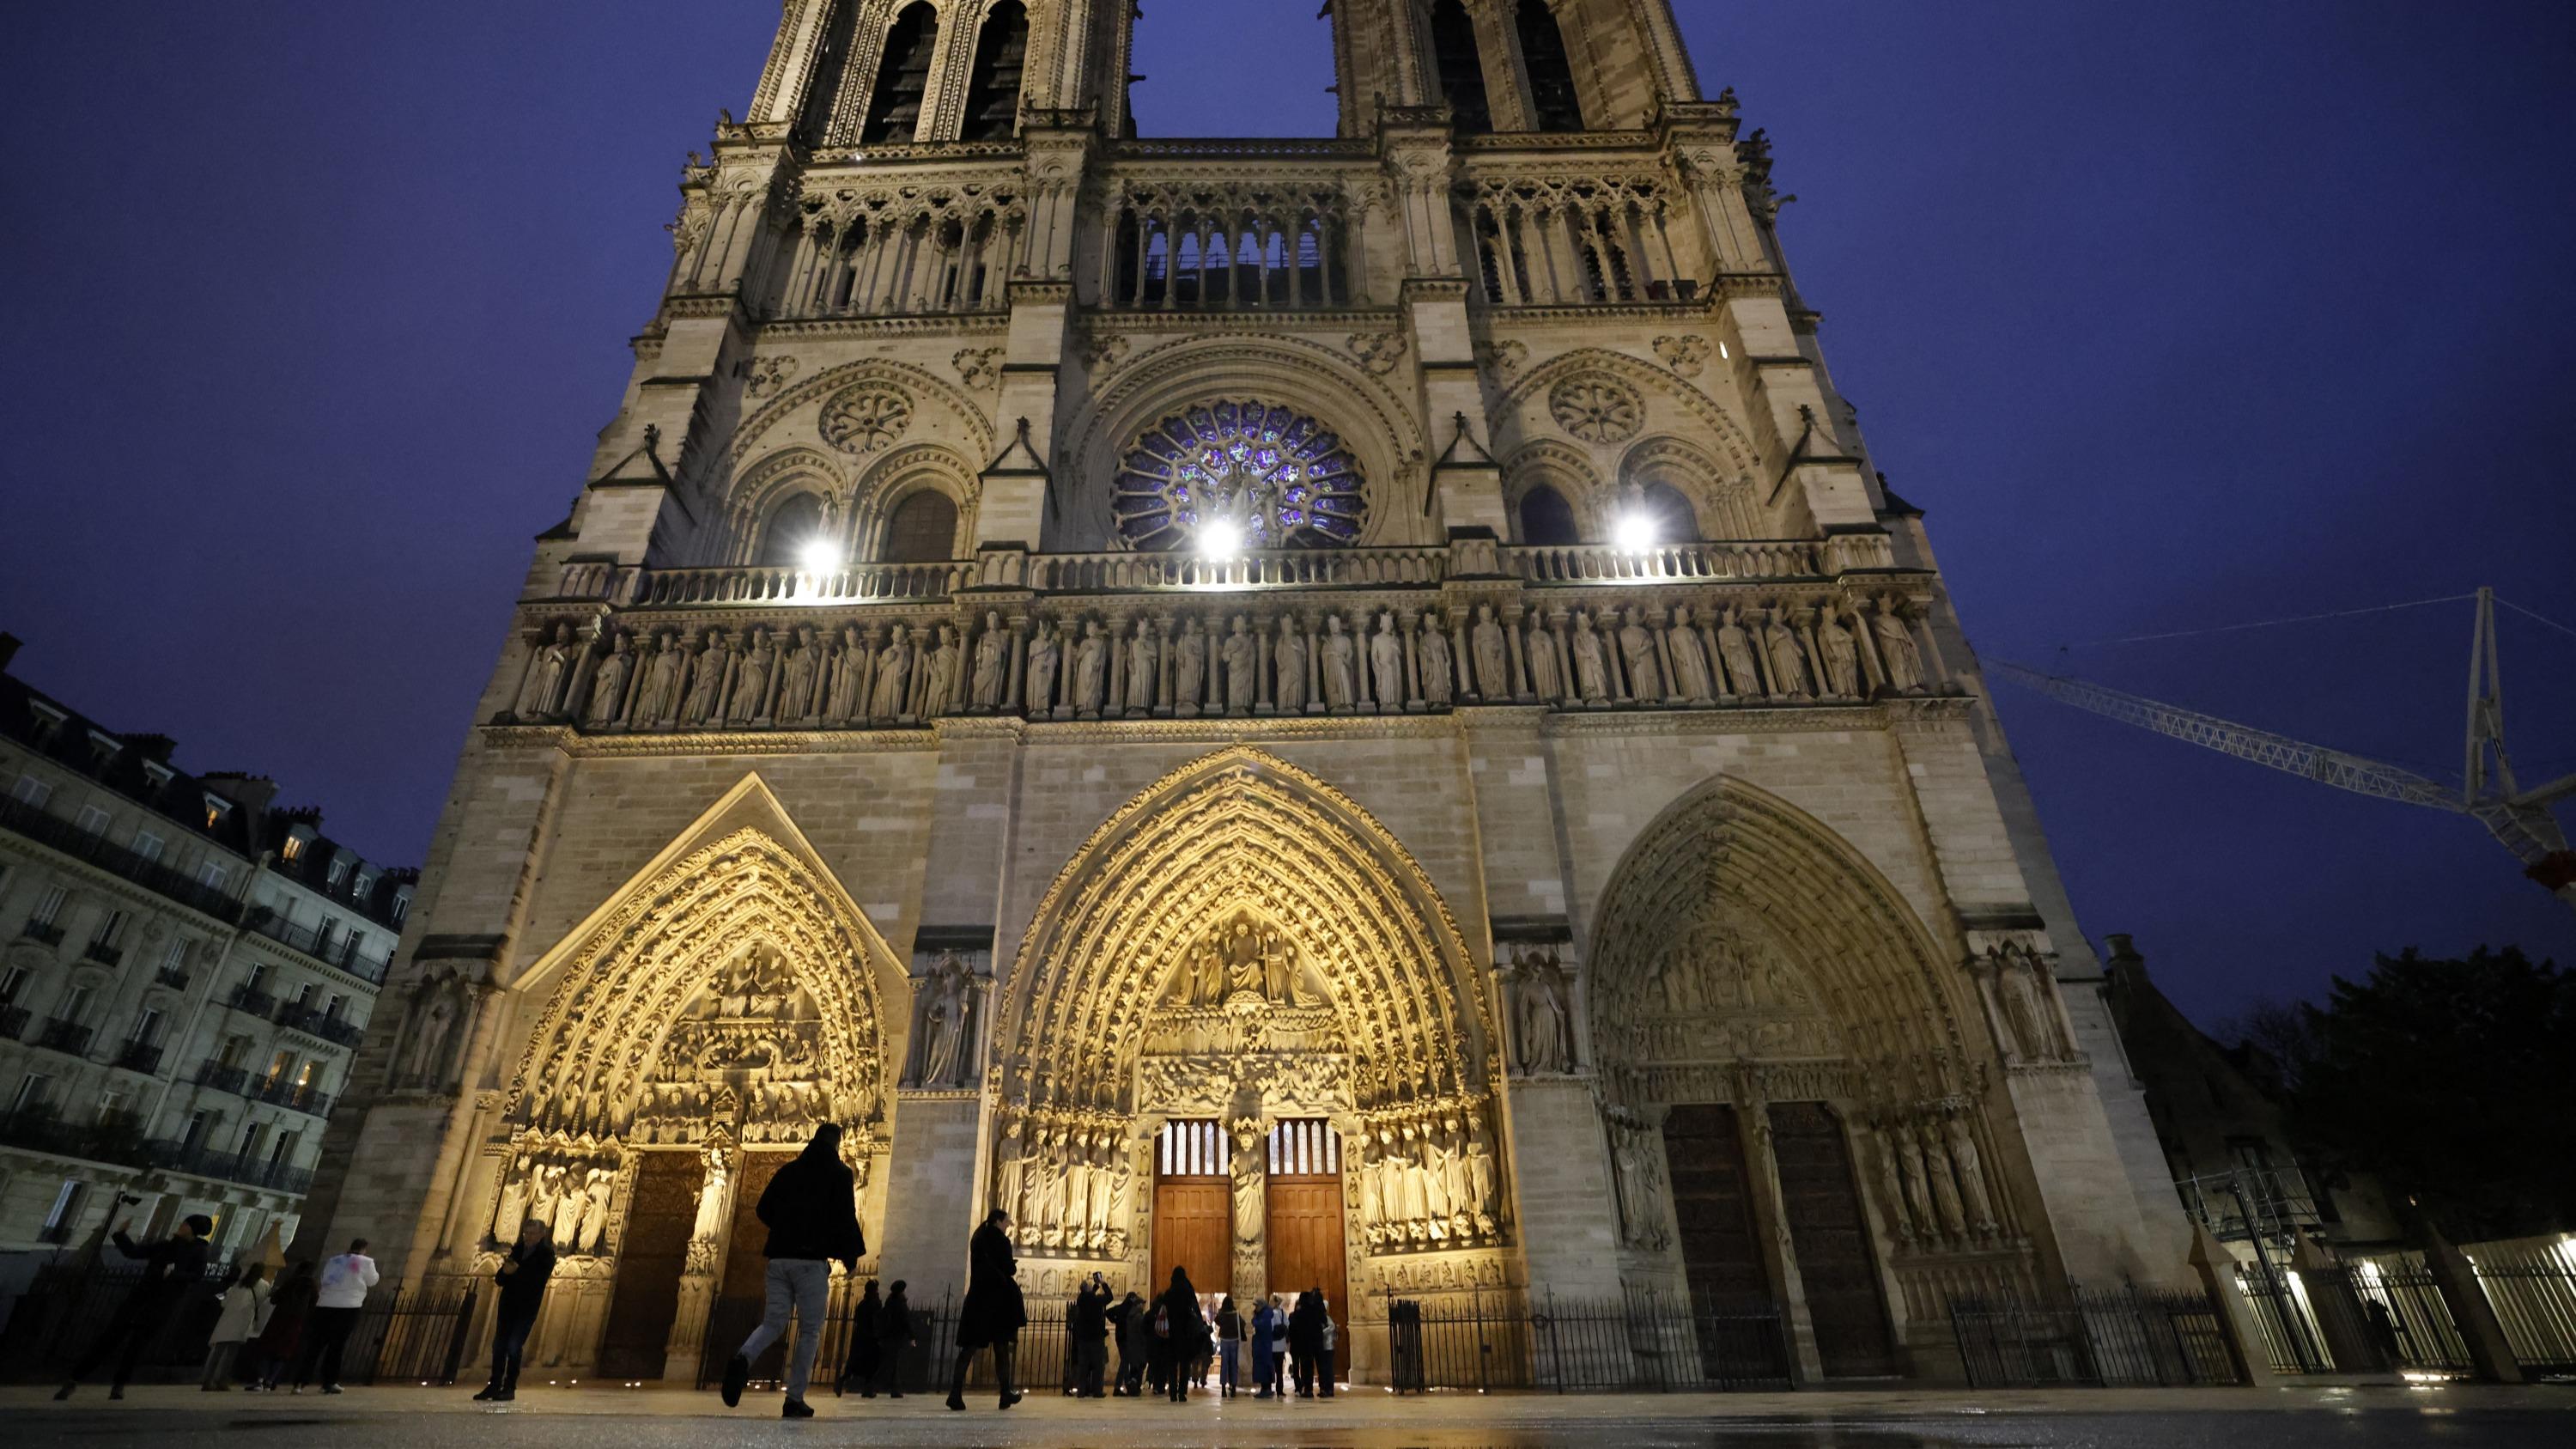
{"x": 1597, "y": 409}
{"x": 866, "y": 419}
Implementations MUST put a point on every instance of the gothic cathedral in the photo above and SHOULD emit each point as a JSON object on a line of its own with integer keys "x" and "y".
{"x": 1344, "y": 712}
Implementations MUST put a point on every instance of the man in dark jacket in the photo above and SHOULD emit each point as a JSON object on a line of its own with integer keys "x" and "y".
{"x": 811, "y": 1210}
{"x": 867, "y": 1341}
{"x": 1089, "y": 1329}
{"x": 993, "y": 1313}
{"x": 894, "y": 1332}
{"x": 1128, "y": 1320}
{"x": 1306, "y": 1339}
{"x": 172, "y": 1269}
{"x": 522, "y": 1277}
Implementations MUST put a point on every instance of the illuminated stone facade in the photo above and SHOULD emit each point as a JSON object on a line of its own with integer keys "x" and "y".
{"x": 1593, "y": 807}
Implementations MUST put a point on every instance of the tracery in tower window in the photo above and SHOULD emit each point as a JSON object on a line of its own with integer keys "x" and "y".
{"x": 903, "y": 78}
{"x": 1278, "y": 479}
{"x": 1001, "y": 52}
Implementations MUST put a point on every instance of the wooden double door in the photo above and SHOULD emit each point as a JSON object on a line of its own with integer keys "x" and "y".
{"x": 651, "y": 1255}
{"x": 1722, "y": 1258}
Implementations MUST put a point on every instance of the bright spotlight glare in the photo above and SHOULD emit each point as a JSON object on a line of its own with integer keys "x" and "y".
{"x": 1633, "y": 532}
{"x": 820, "y": 556}
{"x": 1220, "y": 539}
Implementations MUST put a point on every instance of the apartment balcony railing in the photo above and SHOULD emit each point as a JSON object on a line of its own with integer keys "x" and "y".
{"x": 45, "y": 931}
{"x": 330, "y": 949}
{"x": 223, "y": 1078}
{"x": 251, "y": 1001}
{"x": 279, "y": 1092}
{"x": 64, "y": 836}
{"x": 69, "y": 1037}
{"x": 313, "y": 1021}
{"x": 102, "y": 953}
{"x": 139, "y": 1056}
{"x": 13, "y": 1022}
{"x": 172, "y": 977}
{"x": 339, "y": 1029}
{"x": 44, "y": 1130}
{"x": 204, "y": 1161}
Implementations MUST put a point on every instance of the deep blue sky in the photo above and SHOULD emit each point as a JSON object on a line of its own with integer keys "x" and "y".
{"x": 2170, "y": 316}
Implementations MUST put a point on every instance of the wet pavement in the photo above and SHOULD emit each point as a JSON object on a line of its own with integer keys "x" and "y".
{"x": 589, "y": 1418}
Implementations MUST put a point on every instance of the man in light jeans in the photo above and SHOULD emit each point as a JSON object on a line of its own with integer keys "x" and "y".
{"x": 345, "y": 1281}
{"x": 811, "y": 1210}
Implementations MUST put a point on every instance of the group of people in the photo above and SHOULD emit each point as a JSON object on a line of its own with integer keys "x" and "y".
{"x": 1174, "y": 1343}
{"x": 261, "y": 1330}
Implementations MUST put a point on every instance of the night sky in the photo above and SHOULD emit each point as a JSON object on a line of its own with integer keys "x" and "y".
{"x": 2170, "y": 317}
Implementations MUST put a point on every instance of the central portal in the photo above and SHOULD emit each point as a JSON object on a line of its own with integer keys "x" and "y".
{"x": 1193, "y": 1207}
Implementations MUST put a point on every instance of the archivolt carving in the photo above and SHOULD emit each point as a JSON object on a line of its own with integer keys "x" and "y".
{"x": 918, "y": 383}
{"x": 789, "y": 470}
{"x": 906, "y": 471}
{"x": 1561, "y": 466}
{"x": 744, "y": 918}
{"x": 1741, "y": 456}
{"x": 866, "y": 419}
{"x": 1738, "y": 928}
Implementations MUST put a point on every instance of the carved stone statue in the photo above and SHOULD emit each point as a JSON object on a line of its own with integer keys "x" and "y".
{"x": 894, "y": 676}
{"x": 711, "y": 1196}
{"x": 1591, "y": 675}
{"x": 1242, "y": 654}
{"x": 1249, "y": 1214}
{"x": 1842, "y": 656}
{"x": 594, "y": 1213}
{"x": 706, "y": 690}
{"x": 657, "y": 702}
{"x": 1735, "y": 647}
{"x": 1918, "y": 1198}
{"x": 569, "y": 1205}
{"x": 608, "y": 684}
{"x": 426, "y": 1064}
{"x": 943, "y": 1025}
{"x": 1890, "y": 1182}
{"x": 1547, "y": 676}
{"x": 1690, "y": 659}
{"x": 542, "y": 696}
{"x": 849, "y": 696}
{"x": 1340, "y": 665}
{"x": 939, "y": 675}
{"x": 1386, "y": 663}
{"x": 1189, "y": 668}
{"x": 1639, "y": 1181}
{"x": 1045, "y": 656}
{"x": 1788, "y": 657}
{"x": 2027, "y": 1011}
{"x": 797, "y": 694}
{"x": 1896, "y": 648}
{"x": 1945, "y": 1186}
{"x": 1972, "y": 1177}
{"x": 1637, "y": 649}
{"x": 1144, "y": 668}
{"x": 1291, "y": 656}
{"x": 1493, "y": 664}
{"x": 1545, "y": 1014}
{"x": 1439, "y": 672}
{"x": 514, "y": 1203}
{"x": 751, "y": 681}
{"x": 992, "y": 663}
{"x": 1090, "y": 670}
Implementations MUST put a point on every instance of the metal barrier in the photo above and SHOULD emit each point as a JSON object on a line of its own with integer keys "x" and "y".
{"x": 418, "y": 1338}
{"x": 2122, "y": 1338}
{"x": 1644, "y": 1344}
{"x": 1040, "y": 1360}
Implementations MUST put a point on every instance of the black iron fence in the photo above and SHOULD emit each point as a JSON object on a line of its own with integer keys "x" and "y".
{"x": 1645, "y": 1343}
{"x": 2124, "y": 1337}
{"x": 1040, "y": 1362}
{"x": 399, "y": 1338}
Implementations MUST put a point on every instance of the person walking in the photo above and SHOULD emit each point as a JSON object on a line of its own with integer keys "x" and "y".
{"x": 1326, "y": 1335}
{"x": 867, "y": 1343}
{"x": 1262, "y": 1355}
{"x": 897, "y": 1336}
{"x": 1130, "y": 1318}
{"x": 1181, "y": 1332}
{"x": 282, "y": 1336}
{"x": 337, "y": 1300}
{"x": 1088, "y": 1328}
{"x": 522, "y": 1277}
{"x": 245, "y": 1310}
{"x": 1279, "y": 1346}
{"x": 1306, "y": 1339}
{"x": 812, "y": 1213}
{"x": 1229, "y": 1333}
{"x": 993, "y": 1313}
{"x": 174, "y": 1269}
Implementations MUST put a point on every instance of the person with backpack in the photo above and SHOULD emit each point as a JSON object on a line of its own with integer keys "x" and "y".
{"x": 522, "y": 1276}
{"x": 811, "y": 1210}
{"x": 1180, "y": 1334}
{"x": 1279, "y": 1346}
{"x": 174, "y": 1274}
{"x": 245, "y": 1309}
{"x": 994, "y": 1312}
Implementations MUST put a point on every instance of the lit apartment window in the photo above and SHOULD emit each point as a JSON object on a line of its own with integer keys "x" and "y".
{"x": 67, "y": 1206}
{"x": 305, "y": 1074}
{"x": 293, "y": 849}
{"x": 93, "y": 820}
{"x": 278, "y": 1065}
{"x": 217, "y": 807}
{"x": 31, "y": 791}
{"x": 148, "y": 845}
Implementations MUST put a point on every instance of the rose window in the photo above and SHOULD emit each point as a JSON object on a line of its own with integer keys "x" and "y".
{"x": 1244, "y": 474}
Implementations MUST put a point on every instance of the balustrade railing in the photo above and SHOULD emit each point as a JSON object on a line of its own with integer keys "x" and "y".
{"x": 68, "y": 838}
{"x": 1188, "y": 244}
{"x": 859, "y": 584}
{"x": 344, "y": 952}
{"x": 882, "y": 253}
{"x": 1601, "y": 563}
{"x": 1269, "y": 569}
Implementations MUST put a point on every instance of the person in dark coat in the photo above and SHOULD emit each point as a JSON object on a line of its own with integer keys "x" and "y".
{"x": 522, "y": 1277}
{"x": 174, "y": 1271}
{"x": 1306, "y": 1339}
{"x": 867, "y": 1342}
{"x": 1128, "y": 1321}
{"x": 1088, "y": 1327}
{"x": 895, "y": 1336}
{"x": 1181, "y": 1334}
{"x": 993, "y": 1313}
{"x": 283, "y": 1336}
{"x": 811, "y": 1210}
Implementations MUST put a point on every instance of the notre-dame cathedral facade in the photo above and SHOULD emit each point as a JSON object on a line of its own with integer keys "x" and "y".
{"x": 1342, "y": 712}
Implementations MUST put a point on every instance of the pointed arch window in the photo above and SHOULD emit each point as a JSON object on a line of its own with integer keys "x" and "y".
{"x": 1462, "y": 68}
{"x": 903, "y": 78}
{"x": 923, "y": 529}
{"x": 792, "y": 526}
{"x": 1551, "y": 71}
{"x": 1546, "y": 518}
{"x": 1001, "y": 53}
{"x": 831, "y": 69}
{"x": 1675, "y": 520}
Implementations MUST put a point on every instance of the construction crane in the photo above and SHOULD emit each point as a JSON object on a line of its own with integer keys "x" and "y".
{"x": 2519, "y": 819}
